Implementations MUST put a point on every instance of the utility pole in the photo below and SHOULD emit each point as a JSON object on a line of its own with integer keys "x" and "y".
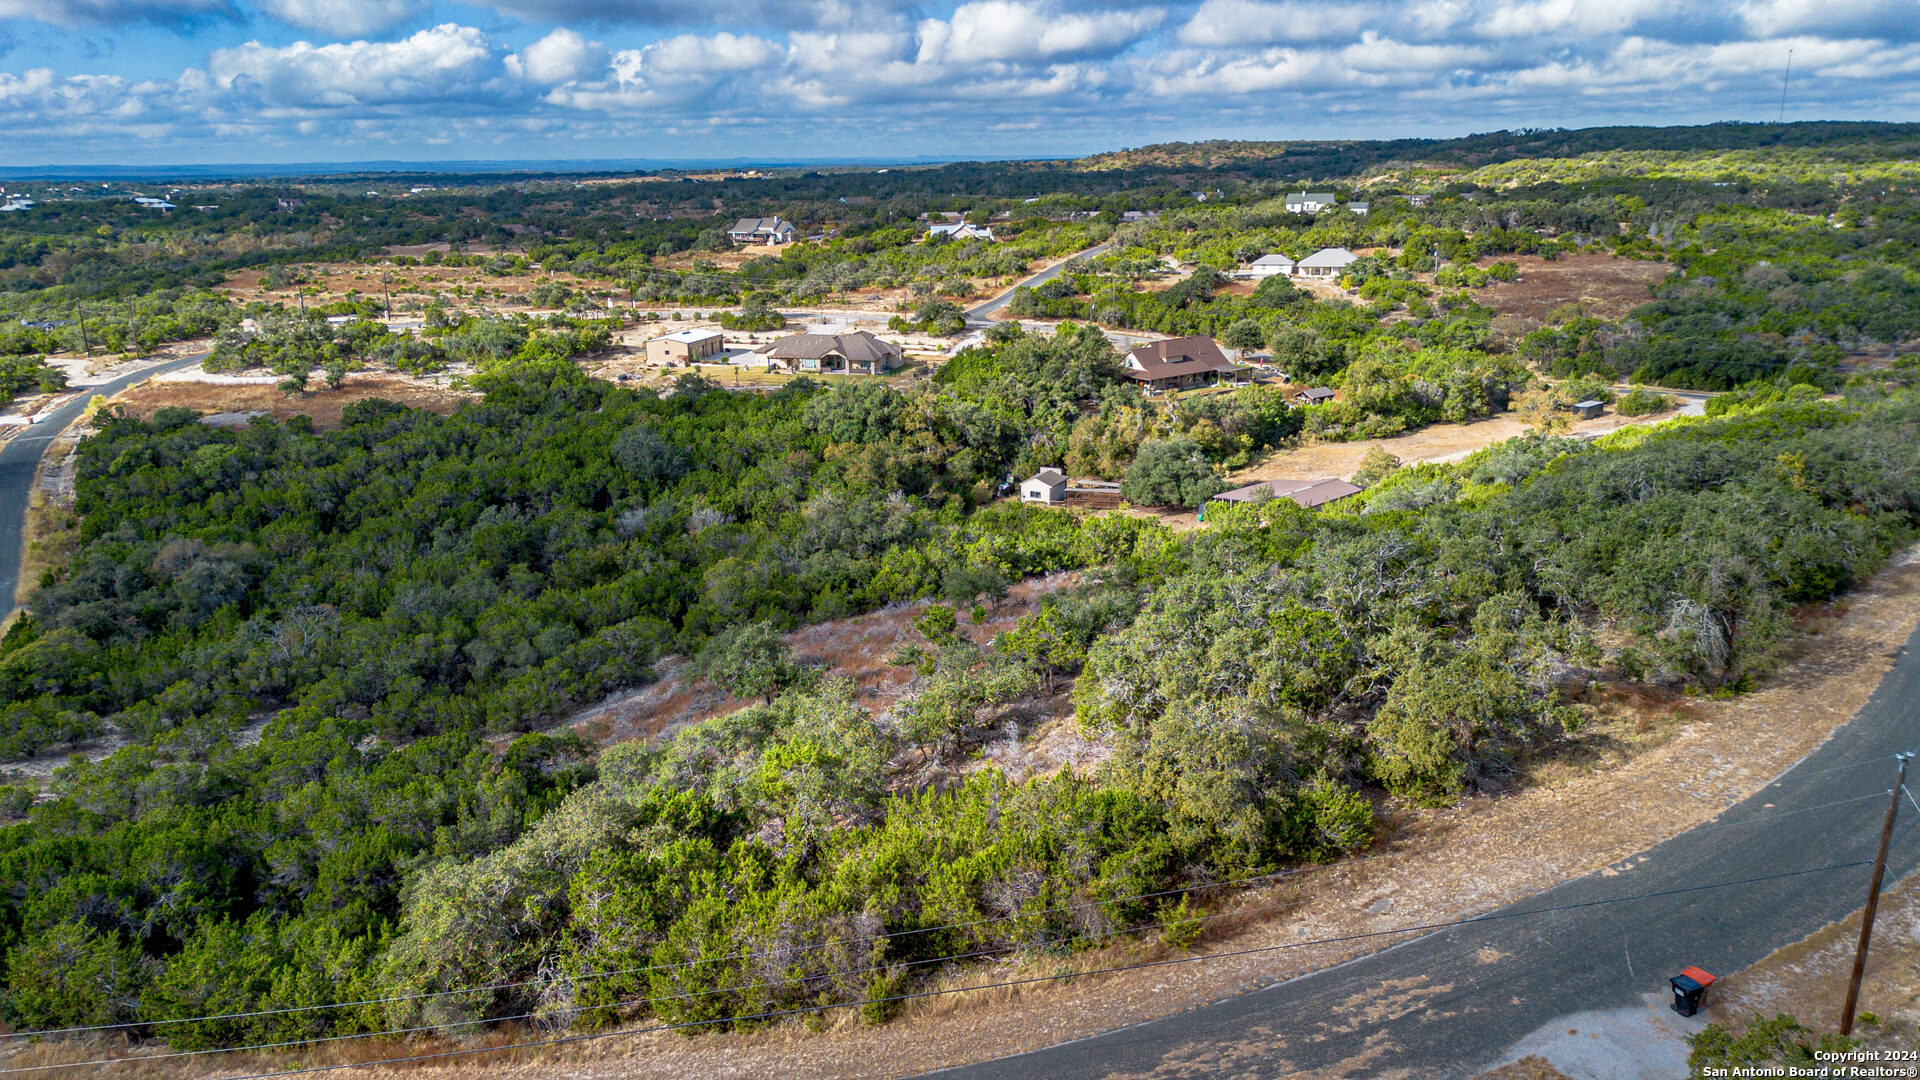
{"x": 1784, "y": 79}
{"x": 386, "y": 290}
{"x": 80, "y": 316}
{"x": 1873, "y": 900}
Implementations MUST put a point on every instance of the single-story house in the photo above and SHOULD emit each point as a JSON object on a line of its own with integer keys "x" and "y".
{"x": 1045, "y": 486}
{"x": 1309, "y": 202}
{"x": 765, "y": 230}
{"x": 1360, "y": 208}
{"x": 1166, "y": 365}
{"x": 1139, "y": 215}
{"x": 1270, "y": 265}
{"x": 857, "y": 353}
{"x": 1308, "y": 493}
{"x": 1314, "y": 395}
{"x": 1587, "y": 410}
{"x": 1327, "y": 262}
{"x": 1419, "y": 200}
{"x": 961, "y": 230}
{"x": 684, "y": 346}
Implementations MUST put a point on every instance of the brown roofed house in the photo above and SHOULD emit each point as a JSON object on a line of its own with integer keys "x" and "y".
{"x": 1167, "y": 365}
{"x": 857, "y": 353}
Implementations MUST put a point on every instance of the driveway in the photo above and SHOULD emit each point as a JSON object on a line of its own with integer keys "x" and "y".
{"x": 20, "y": 460}
{"x": 1453, "y": 1002}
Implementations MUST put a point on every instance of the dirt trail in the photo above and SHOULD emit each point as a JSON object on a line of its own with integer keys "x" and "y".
{"x": 1658, "y": 767}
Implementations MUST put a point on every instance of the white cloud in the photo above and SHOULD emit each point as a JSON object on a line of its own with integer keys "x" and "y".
{"x": 560, "y": 57}
{"x": 437, "y": 64}
{"x": 1239, "y": 23}
{"x": 348, "y": 18}
{"x": 1008, "y": 30}
{"x": 673, "y": 71}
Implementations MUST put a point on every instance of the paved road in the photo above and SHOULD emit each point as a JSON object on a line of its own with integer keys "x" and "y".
{"x": 1431, "y": 1008}
{"x": 20, "y": 459}
{"x": 980, "y": 312}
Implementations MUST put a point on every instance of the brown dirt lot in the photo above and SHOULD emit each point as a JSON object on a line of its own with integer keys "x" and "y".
{"x": 1604, "y": 286}
{"x": 324, "y": 406}
{"x": 1657, "y": 766}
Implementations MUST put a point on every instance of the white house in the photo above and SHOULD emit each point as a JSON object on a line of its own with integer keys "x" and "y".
{"x": 1309, "y": 202}
{"x": 1326, "y": 263}
{"x": 1268, "y": 266}
{"x": 766, "y": 230}
{"x": 1045, "y": 486}
{"x": 960, "y": 230}
{"x": 1360, "y": 208}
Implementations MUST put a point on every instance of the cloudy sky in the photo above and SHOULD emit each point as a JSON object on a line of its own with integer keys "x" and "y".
{"x": 164, "y": 81}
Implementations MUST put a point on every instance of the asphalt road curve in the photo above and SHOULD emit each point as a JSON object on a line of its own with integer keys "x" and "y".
{"x": 979, "y": 312}
{"x": 1452, "y": 1002}
{"x": 20, "y": 459}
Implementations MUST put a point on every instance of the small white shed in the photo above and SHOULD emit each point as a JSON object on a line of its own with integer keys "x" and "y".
{"x": 1045, "y": 486}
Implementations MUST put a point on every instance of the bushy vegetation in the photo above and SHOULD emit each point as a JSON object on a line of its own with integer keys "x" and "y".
{"x": 338, "y": 659}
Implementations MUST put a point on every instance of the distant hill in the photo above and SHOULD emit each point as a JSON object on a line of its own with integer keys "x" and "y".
{"x": 1334, "y": 158}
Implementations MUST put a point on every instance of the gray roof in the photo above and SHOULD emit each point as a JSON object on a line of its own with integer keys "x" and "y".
{"x": 1310, "y": 196}
{"x": 1317, "y": 393}
{"x": 1589, "y": 404}
{"x": 1307, "y": 493}
{"x": 1275, "y": 259}
{"x": 858, "y": 345}
{"x": 759, "y": 224}
{"x": 1050, "y": 477}
{"x": 1333, "y": 258}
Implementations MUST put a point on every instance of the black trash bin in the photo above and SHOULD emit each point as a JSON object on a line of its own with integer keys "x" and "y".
{"x": 1689, "y": 987}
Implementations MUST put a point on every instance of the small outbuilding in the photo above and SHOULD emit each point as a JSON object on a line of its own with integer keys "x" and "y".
{"x": 1270, "y": 265}
{"x": 1046, "y": 486}
{"x": 1314, "y": 395}
{"x": 1587, "y": 410}
{"x": 685, "y": 346}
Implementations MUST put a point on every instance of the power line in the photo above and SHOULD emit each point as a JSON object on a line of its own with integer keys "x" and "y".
{"x": 651, "y": 999}
{"x": 890, "y": 935}
{"x": 1034, "y": 980}
{"x": 1060, "y": 909}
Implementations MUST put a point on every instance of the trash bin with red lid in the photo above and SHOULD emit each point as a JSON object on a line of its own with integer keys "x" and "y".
{"x": 1689, "y": 987}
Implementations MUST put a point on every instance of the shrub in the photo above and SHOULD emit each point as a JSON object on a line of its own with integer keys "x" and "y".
{"x": 1641, "y": 402}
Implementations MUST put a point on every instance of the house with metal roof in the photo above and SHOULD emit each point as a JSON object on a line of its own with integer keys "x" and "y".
{"x": 1308, "y": 493}
{"x": 1268, "y": 265}
{"x": 1309, "y": 202}
{"x": 684, "y": 346}
{"x": 1045, "y": 486}
{"x": 1327, "y": 262}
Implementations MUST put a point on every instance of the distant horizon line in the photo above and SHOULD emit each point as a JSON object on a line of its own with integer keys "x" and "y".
{"x": 242, "y": 170}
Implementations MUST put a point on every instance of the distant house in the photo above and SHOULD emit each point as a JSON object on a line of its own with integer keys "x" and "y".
{"x": 1308, "y": 493}
{"x": 1419, "y": 200}
{"x": 289, "y": 204}
{"x": 1587, "y": 410}
{"x": 856, "y": 353}
{"x": 1168, "y": 365}
{"x": 1326, "y": 263}
{"x": 684, "y": 346}
{"x": 1314, "y": 395}
{"x": 960, "y": 230}
{"x": 15, "y": 204}
{"x": 1045, "y": 486}
{"x": 1269, "y": 266}
{"x": 1309, "y": 202}
{"x": 152, "y": 203}
{"x": 762, "y": 230}
{"x": 1130, "y": 216}
{"x": 1360, "y": 208}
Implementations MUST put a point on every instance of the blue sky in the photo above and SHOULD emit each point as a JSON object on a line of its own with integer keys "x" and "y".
{"x": 163, "y": 81}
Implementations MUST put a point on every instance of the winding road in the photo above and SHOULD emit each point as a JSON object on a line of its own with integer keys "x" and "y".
{"x": 980, "y": 314}
{"x": 20, "y": 461}
{"x": 1453, "y": 1002}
